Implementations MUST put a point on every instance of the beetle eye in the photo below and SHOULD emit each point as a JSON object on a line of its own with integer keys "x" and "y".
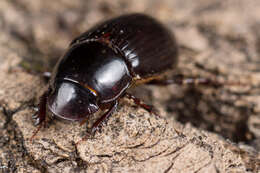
{"x": 72, "y": 102}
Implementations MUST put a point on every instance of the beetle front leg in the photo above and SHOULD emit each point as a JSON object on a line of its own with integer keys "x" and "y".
{"x": 104, "y": 117}
{"x": 47, "y": 76}
{"x": 100, "y": 121}
{"x": 40, "y": 116}
{"x": 140, "y": 103}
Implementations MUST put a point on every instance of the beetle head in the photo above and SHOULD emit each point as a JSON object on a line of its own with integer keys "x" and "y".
{"x": 71, "y": 101}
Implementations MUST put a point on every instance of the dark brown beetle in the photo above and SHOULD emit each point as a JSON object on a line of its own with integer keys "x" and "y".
{"x": 102, "y": 63}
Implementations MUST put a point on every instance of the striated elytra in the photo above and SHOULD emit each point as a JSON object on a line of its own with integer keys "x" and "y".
{"x": 102, "y": 63}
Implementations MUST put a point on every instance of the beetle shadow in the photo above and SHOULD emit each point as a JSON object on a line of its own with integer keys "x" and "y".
{"x": 212, "y": 113}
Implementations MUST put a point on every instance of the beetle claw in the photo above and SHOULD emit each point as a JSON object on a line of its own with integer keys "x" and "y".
{"x": 87, "y": 136}
{"x": 35, "y": 116}
{"x": 94, "y": 130}
{"x": 37, "y": 121}
{"x": 147, "y": 107}
{"x": 36, "y": 109}
{"x": 154, "y": 110}
{"x": 104, "y": 123}
{"x": 99, "y": 129}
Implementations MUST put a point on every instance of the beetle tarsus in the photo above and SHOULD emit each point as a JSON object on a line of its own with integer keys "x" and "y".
{"x": 37, "y": 121}
{"x": 98, "y": 124}
{"x": 46, "y": 76}
{"x": 39, "y": 117}
{"x": 140, "y": 103}
{"x": 36, "y": 109}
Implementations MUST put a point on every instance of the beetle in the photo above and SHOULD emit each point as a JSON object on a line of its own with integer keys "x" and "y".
{"x": 102, "y": 63}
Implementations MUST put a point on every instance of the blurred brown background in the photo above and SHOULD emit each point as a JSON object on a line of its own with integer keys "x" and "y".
{"x": 217, "y": 39}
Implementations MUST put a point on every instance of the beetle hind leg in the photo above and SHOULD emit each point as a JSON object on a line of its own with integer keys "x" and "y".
{"x": 182, "y": 80}
{"x": 138, "y": 102}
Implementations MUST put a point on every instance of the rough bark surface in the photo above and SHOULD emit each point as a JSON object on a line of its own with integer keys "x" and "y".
{"x": 203, "y": 129}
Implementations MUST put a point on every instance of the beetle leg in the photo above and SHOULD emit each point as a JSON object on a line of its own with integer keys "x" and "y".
{"x": 39, "y": 117}
{"x": 104, "y": 117}
{"x": 181, "y": 80}
{"x": 46, "y": 75}
{"x": 100, "y": 121}
{"x": 83, "y": 121}
{"x": 138, "y": 102}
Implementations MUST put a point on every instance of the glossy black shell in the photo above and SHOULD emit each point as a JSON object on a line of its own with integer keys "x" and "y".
{"x": 106, "y": 60}
{"x": 97, "y": 67}
{"x": 146, "y": 45}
